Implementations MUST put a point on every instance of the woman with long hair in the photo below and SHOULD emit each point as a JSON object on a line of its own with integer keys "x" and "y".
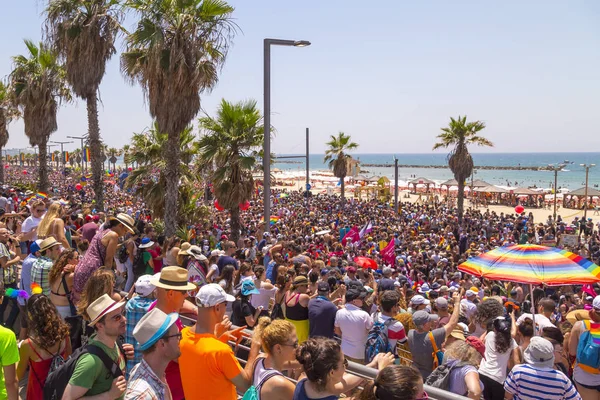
{"x": 279, "y": 342}
{"x": 324, "y": 370}
{"x": 61, "y": 281}
{"x": 213, "y": 268}
{"x": 52, "y": 225}
{"x": 47, "y": 344}
{"x": 225, "y": 280}
{"x": 170, "y": 251}
{"x": 501, "y": 354}
{"x": 245, "y": 272}
{"x": 101, "y": 282}
{"x": 102, "y": 250}
{"x": 394, "y": 382}
{"x": 267, "y": 291}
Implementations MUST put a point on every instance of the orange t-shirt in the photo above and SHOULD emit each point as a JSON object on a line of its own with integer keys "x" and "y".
{"x": 207, "y": 367}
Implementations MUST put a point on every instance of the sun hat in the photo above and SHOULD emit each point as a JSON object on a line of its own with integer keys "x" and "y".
{"x": 477, "y": 344}
{"x": 424, "y": 288}
{"x": 458, "y": 333}
{"x": 101, "y": 306}
{"x": 421, "y": 317}
{"x": 143, "y": 287}
{"x": 418, "y": 300}
{"x": 146, "y": 243}
{"x": 248, "y": 288}
{"x": 183, "y": 250}
{"x": 300, "y": 280}
{"x": 539, "y": 353}
{"x": 211, "y": 295}
{"x": 218, "y": 253}
{"x": 152, "y": 326}
{"x": 126, "y": 221}
{"x": 48, "y": 243}
{"x": 173, "y": 278}
{"x": 196, "y": 252}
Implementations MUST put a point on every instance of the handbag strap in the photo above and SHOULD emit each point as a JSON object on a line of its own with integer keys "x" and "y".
{"x": 432, "y": 340}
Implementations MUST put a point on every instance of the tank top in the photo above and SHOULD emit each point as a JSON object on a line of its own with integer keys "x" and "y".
{"x": 296, "y": 312}
{"x": 38, "y": 372}
{"x": 300, "y": 393}
{"x": 262, "y": 374}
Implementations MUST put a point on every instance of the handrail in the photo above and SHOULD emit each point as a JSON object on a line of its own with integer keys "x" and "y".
{"x": 353, "y": 368}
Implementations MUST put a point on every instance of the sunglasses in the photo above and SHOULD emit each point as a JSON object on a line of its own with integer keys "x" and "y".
{"x": 294, "y": 345}
{"x": 177, "y": 335}
{"x": 118, "y": 317}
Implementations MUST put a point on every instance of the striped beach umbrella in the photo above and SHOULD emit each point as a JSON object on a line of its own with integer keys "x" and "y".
{"x": 530, "y": 263}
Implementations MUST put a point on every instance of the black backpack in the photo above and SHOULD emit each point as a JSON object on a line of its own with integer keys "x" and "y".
{"x": 440, "y": 377}
{"x": 122, "y": 254}
{"x": 57, "y": 381}
{"x": 139, "y": 266}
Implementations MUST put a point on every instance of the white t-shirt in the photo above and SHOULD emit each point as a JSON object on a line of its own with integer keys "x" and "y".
{"x": 494, "y": 364}
{"x": 471, "y": 308}
{"x": 215, "y": 274}
{"x": 355, "y": 325}
{"x": 263, "y": 298}
{"x": 541, "y": 321}
{"x": 30, "y": 224}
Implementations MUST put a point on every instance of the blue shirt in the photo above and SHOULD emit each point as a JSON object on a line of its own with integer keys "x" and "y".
{"x": 26, "y": 276}
{"x": 271, "y": 272}
{"x": 135, "y": 309}
{"x": 321, "y": 317}
{"x": 300, "y": 393}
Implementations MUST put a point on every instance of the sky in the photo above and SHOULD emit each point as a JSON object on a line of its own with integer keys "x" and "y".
{"x": 389, "y": 73}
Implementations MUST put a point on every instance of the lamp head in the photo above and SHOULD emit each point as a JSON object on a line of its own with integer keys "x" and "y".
{"x": 301, "y": 43}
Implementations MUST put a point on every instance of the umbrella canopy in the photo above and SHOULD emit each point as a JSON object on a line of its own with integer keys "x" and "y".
{"x": 491, "y": 189}
{"x": 422, "y": 181}
{"x": 527, "y": 191}
{"x": 365, "y": 262}
{"x": 530, "y": 263}
{"x": 479, "y": 183}
{"x": 450, "y": 182}
{"x": 581, "y": 192}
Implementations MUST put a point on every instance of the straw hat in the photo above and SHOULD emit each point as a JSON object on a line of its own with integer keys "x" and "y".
{"x": 101, "y": 306}
{"x": 184, "y": 249}
{"x": 152, "y": 327}
{"x": 126, "y": 221}
{"x": 173, "y": 278}
{"x": 48, "y": 243}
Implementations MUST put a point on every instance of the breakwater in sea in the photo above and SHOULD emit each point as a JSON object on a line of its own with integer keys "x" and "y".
{"x": 482, "y": 167}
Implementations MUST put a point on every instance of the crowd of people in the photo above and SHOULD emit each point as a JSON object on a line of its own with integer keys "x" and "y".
{"x": 107, "y": 306}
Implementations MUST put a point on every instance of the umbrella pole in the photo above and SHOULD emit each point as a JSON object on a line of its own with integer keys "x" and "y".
{"x": 532, "y": 309}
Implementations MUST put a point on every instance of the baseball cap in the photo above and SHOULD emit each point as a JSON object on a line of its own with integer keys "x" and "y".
{"x": 441, "y": 303}
{"x": 421, "y": 317}
{"x": 212, "y": 294}
{"x": 470, "y": 293}
{"x": 596, "y": 303}
{"x": 418, "y": 300}
{"x": 35, "y": 246}
{"x": 356, "y": 293}
{"x": 477, "y": 344}
{"x": 143, "y": 287}
{"x": 323, "y": 287}
{"x": 351, "y": 269}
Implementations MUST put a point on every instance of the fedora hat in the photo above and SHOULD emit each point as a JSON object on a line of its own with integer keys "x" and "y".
{"x": 126, "y": 221}
{"x": 102, "y": 306}
{"x": 184, "y": 249}
{"x": 48, "y": 243}
{"x": 173, "y": 278}
{"x": 152, "y": 327}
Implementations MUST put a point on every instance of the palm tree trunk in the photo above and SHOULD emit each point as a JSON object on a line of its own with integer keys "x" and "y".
{"x": 95, "y": 150}
{"x": 343, "y": 190}
{"x": 1, "y": 168}
{"x": 43, "y": 169}
{"x": 460, "y": 200}
{"x": 235, "y": 224}
{"x": 171, "y": 154}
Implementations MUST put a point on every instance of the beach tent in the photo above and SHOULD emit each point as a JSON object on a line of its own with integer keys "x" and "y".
{"x": 478, "y": 183}
{"x": 525, "y": 191}
{"x": 580, "y": 194}
{"x": 491, "y": 189}
{"x": 422, "y": 181}
{"x": 450, "y": 182}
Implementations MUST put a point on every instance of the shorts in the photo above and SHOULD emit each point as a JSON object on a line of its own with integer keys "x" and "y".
{"x": 597, "y": 387}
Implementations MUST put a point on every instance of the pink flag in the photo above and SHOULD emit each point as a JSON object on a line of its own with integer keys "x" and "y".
{"x": 388, "y": 253}
{"x": 588, "y": 289}
{"x": 352, "y": 235}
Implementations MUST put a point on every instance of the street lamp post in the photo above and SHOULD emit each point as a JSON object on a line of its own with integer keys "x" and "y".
{"x": 555, "y": 169}
{"x": 62, "y": 150}
{"x": 587, "y": 171}
{"x": 267, "y": 121}
{"x": 82, "y": 138}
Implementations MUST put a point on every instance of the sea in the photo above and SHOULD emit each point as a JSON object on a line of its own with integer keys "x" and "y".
{"x": 572, "y": 176}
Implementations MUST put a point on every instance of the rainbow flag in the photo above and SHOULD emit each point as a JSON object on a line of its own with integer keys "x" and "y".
{"x": 41, "y": 195}
{"x": 595, "y": 331}
{"x": 65, "y": 156}
{"x": 86, "y": 155}
{"x": 272, "y": 221}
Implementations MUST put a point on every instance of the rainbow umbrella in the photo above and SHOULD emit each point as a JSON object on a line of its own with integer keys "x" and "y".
{"x": 530, "y": 263}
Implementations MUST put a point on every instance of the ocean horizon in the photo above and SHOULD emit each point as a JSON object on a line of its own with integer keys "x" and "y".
{"x": 572, "y": 176}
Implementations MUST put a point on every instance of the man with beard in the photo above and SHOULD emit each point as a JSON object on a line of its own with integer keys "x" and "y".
{"x": 91, "y": 377}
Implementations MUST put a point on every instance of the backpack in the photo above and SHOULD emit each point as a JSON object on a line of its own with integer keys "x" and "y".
{"x": 122, "y": 254}
{"x": 57, "y": 380}
{"x": 377, "y": 340}
{"x": 440, "y": 377}
{"x": 139, "y": 265}
{"x": 588, "y": 349}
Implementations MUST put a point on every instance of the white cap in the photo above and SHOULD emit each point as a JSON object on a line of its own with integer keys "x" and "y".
{"x": 143, "y": 287}
{"x": 596, "y": 303}
{"x": 216, "y": 253}
{"x": 418, "y": 300}
{"x": 212, "y": 294}
{"x": 470, "y": 293}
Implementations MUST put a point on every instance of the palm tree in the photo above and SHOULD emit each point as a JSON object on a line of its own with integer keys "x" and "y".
{"x": 38, "y": 83}
{"x": 56, "y": 154}
{"x": 125, "y": 151}
{"x": 114, "y": 153}
{"x": 175, "y": 55}
{"x": 84, "y": 33}
{"x": 76, "y": 155}
{"x": 460, "y": 133}
{"x": 7, "y": 112}
{"x": 149, "y": 179}
{"x": 232, "y": 142}
{"x": 337, "y": 156}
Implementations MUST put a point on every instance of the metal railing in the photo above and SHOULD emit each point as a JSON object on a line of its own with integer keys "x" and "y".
{"x": 353, "y": 368}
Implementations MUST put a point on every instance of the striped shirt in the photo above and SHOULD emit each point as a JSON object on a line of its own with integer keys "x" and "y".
{"x": 527, "y": 382}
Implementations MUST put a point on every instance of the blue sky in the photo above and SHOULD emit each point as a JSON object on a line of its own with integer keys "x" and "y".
{"x": 388, "y": 73}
